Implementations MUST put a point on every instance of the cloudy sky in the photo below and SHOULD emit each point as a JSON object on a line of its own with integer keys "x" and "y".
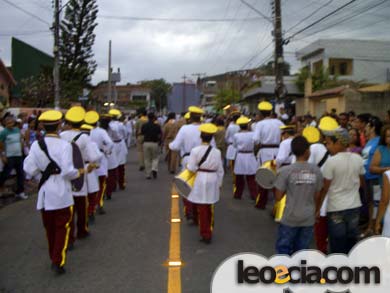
{"x": 169, "y": 49}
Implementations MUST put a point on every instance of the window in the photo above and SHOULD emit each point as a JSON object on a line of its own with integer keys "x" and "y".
{"x": 138, "y": 98}
{"x": 341, "y": 67}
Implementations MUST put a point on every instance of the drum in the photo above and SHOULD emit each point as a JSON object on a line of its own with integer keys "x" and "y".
{"x": 184, "y": 182}
{"x": 266, "y": 175}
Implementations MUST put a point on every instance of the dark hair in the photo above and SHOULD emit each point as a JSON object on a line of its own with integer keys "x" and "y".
{"x": 151, "y": 116}
{"x": 344, "y": 114}
{"x": 244, "y": 126}
{"x": 266, "y": 113}
{"x": 51, "y": 127}
{"x": 235, "y": 117}
{"x": 171, "y": 115}
{"x": 195, "y": 117}
{"x": 75, "y": 125}
{"x": 299, "y": 145}
{"x": 365, "y": 117}
{"x": 382, "y": 140}
{"x": 104, "y": 123}
{"x": 219, "y": 122}
{"x": 351, "y": 113}
{"x": 206, "y": 137}
{"x": 358, "y": 143}
{"x": 376, "y": 123}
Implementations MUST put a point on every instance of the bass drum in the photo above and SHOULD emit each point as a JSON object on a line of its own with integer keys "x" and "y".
{"x": 266, "y": 175}
{"x": 184, "y": 182}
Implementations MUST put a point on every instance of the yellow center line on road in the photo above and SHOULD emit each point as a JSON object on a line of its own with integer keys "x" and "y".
{"x": 174, "y": 261}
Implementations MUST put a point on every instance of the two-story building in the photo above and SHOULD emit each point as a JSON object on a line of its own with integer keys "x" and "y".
{"x": 7, "y": 81}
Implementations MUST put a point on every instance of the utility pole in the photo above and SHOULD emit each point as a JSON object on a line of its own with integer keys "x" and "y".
{"x": 109, "y": 96}
{"x": 56, "y": 51}
{"x": 184, "y": 77}
{"x": 280, "y": 89}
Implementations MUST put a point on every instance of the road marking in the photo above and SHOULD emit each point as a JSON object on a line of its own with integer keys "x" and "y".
{"x": 174, "y": 261}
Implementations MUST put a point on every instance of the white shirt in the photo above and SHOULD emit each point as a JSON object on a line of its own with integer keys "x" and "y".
{"x": 105, "y": 145}
{"x": 267, "y": 133}
{"x": 343, "y": 170}
{"x": 246, "y": 163}
{"x": 206, "y": 186}
{"x": 88, "y": 150}
{"x": 186, "y": 139}
{"x": 232, "y": 129}
{"x": 117, "y": 132}
{"x": 56, "y": 192}
{"x": 284, "y": 155}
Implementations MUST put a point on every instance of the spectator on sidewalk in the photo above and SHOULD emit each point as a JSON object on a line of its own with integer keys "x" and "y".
{"x": 12, "y": 155}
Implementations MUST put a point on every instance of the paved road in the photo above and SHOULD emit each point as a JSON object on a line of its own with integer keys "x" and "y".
{"x": 129, "y": 245}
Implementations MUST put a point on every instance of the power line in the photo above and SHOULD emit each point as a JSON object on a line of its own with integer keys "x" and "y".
{"x": 257, "y": 11}
{"x": 256, "y": 55}
{"x": 360, "y": 12}
{"x": 135, "y": 18}
{"x": 27, "y": 12}
{"x": 310, "y": 15}
{"x": 319, "y": 20}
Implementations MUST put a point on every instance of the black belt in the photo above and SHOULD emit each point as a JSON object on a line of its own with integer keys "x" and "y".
{"x": 245, "y": 152}
{"x": 185, "y": 155}
{"x": 269, "y": 146}
{"x": 285, "y": 164}
{"x": 207, "y": 171}
{"x": 117, "y": 141}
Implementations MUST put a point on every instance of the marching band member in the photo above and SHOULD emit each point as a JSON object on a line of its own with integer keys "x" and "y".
{"x": 52, "y": 157}
{"x": 186, "y": 139}
{"x": 231, "y": 152}
{"x": 246, "y": 163}
{"x": 267, "y": 137}
{"x": 117, "y": 132}
{"x": 206, "y": 161}
{"x": 99, "y": 136}
{"x": 285, "y": 156}
{"x": 75, "y": 117}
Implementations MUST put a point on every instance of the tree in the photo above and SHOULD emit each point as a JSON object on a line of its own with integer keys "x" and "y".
{"x": 159, "y": 91}
{"x": 268, "y": 69}
{"x": 76, "y": 54}
{"x": 321, "y": 79}
{"x": 225, "y": 97}
{"x": 38, "y": 90}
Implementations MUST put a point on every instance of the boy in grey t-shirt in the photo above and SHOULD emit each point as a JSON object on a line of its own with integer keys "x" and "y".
{"x": 302, "y": 183}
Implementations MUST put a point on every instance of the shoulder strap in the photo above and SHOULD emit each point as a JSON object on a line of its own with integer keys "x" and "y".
{"x": 77, "y": 136}
{"x": 323, "y": 160}
{"x": 204, "y": 158}
{"x": 42, "y": 145}
{"x": 51, "y": 168}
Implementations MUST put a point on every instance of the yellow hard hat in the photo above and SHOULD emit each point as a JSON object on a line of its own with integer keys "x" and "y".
{"x": 265, "y": 106}
{"x": 312, "y": 134}
{"x": 328, "y": 124}
{"x": 50, "y": 116}
{"x": 86, "y": 127}
{"x": 115, "y": 113}
{"x": 91, "y": 117}
{"x": 208, "y": 128}
{"x": 75, "y": 114}
{"x": 243, "y": 120}
{"x": 187, "y": 116}
{"x": 195, "y": 110}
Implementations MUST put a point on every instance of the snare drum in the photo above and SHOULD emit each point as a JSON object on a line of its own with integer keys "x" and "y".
{"x": 184, "y": 182}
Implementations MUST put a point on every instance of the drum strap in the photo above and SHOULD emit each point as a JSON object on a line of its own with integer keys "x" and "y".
{"x": 51, "y": 169}
{"x": 77, "y": 136}
{"x": 204, "y": 158}
{"x": 323, "y": 160}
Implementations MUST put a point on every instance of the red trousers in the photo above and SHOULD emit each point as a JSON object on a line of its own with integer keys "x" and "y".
{"x": 111, "y": 181}
{"x": 240, "y": 184}
{"x": 321, "y": 234}
{"x": 81, "y": 209}
{"x": 121, "y": 177}
{"x": 189, "y": 209}
{"x": 57, "y": 225}
{"x": 205, "y": 215}
{"x": 102, "y": 191}
{"x": 262, "y": 198}
{"x": 92, "y": 202}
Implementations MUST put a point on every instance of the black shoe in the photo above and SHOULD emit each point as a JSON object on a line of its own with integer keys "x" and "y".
{"x": 58, "y": 269}
{"x": 108, "y": 197}
{"x": 141, "y": 168}
{"x": 101, "y": 211}
{"x": 172, "y": 172}
{"x": 206, "y": 241}
{"x": 91, "y": 219}
{"x": 154, "y": 173}
{"x": 70, "y": 247}
{"x": 84, "y": 236}
{"x": 148, "y": 177}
